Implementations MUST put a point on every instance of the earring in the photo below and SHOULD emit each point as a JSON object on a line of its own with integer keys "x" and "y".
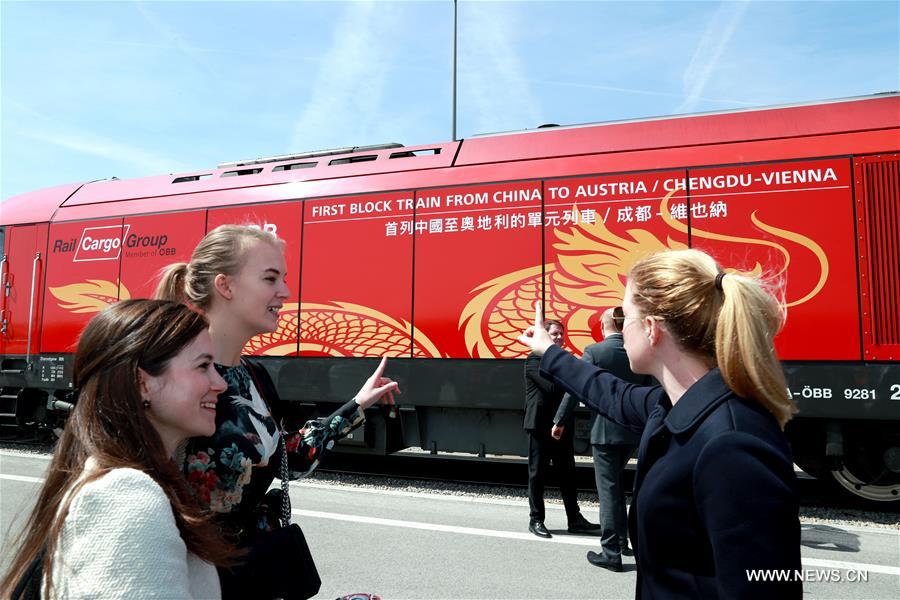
{"x": 146, "y": 403}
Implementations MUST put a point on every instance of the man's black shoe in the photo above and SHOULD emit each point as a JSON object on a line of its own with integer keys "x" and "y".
{"x": 598, "y": 560}
{"x": 538, "y": 529}
{"x": 580, "y": 524}
{"x": 626, "y": 551}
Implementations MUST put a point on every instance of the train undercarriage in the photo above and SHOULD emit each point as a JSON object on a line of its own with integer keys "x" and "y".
{"x": 859, "y": 450}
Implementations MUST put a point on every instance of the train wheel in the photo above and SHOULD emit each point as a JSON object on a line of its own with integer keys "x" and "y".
{"x": 873, "y": 491}
{"x": 870, "y": 467}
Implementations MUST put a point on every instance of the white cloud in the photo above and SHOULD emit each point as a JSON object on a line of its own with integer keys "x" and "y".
{"x": 346, "y": 101}
{"x": 636, "y": 91}
{"x": 142, "y": 161}
{"x": 491, "y": 74}
{"x": 709, "y": 51}
{"x": 177, "y": 41}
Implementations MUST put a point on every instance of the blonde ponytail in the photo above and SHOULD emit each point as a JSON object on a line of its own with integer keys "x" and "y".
{"x": 731, "y": 325}
{"x": 171, "y": 283}
{"x": 745, "y": 350}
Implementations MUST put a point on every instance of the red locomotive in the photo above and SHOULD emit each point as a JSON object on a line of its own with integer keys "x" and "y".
{"x": 434, "y": 254}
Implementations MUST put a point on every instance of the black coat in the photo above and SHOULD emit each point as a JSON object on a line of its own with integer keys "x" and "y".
{"x": 542, "y": 396}
{"x": 714, "y": 489}
{"x": 610, "y": 355}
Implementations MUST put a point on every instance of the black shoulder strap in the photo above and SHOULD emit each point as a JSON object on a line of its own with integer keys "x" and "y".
{"x": 263, "y": 381}
{"x": 29, "y": 587}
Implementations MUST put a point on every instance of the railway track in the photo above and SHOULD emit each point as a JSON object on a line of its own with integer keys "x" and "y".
{"x": 39, "y": 439}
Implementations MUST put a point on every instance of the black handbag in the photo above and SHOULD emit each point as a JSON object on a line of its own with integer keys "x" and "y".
{"x": 279, "y": 562}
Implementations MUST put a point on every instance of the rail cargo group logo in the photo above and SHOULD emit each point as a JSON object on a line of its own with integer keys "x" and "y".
{"x": 100, "y": 243}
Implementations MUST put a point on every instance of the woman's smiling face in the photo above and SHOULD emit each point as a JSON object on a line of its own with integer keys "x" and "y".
{"x": 182, "y": 399}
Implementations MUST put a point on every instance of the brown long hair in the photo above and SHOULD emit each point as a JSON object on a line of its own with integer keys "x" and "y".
{"x": 109, "y": 424}
{"x": 730, "y": 324}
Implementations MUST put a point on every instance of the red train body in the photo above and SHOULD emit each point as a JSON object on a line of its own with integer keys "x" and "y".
{"x": 434, "y": 254}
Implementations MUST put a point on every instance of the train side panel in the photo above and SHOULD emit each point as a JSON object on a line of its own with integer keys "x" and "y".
{"x": 597, "y": 227}
{"x": 478, "y": 267}
{"x": 82, "y": 278}
{"x": 153, "y": 242}
{"x": 357, "y": 278}
{"x": 793, "y": 223}
{"x": 22, "y": 281}
{"x": 878, "y": 224}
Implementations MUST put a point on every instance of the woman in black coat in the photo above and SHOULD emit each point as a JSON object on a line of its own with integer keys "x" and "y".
{"x": 714, "y": 504}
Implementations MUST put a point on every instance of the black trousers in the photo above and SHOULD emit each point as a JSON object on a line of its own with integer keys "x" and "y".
{"x": 543, "y": 450}
{"x": 609, "y": 463}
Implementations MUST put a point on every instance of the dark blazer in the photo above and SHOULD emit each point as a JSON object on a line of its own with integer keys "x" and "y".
{"x": 610, "y": 355}
{"x": 542, "y": 396}
{"x": 714, "y": 487}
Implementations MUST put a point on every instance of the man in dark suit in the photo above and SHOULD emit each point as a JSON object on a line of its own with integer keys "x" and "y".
{"x": 611, "y": 444}
{"x": 541, "y": 403}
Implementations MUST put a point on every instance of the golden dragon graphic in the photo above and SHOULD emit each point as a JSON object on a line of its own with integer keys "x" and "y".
{"x": 331, "y": 329}
{"x": 89, "y": 296}
{"x": 589, "y": 276}
{"x": 345, "y": 329}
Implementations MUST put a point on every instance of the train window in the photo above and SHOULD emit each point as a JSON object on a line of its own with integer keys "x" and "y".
{"x": 414, "y": 153}
{"x": 240, "y": 172}
{"x": 191, "y": 178}
{"x": 295, "y": 166}
{"x": 353, "y": 159}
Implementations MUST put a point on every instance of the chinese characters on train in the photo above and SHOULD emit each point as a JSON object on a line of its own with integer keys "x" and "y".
{"x": 626, "y": 199}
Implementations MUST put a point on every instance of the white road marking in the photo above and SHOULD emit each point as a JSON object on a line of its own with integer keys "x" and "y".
{"x": 23, "y": 454}
{"x": 23, "y": 478}
{"x": 510, "y": 535}
{"x": 426, "y": 495}
{"x": 528, "y": 537}
{"x": 305, "y": 483}
{"x": 850, "y": 566}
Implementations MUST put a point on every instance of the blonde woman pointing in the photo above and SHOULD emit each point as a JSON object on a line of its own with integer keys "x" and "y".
{"x": 237, "y": 279}
{"x": 714, "y": 497}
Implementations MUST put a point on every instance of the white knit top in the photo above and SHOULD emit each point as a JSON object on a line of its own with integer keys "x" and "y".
{"x": 119, "y": 540}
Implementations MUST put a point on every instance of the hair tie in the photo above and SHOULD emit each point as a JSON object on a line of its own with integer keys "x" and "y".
{"x": 719, "y": 278}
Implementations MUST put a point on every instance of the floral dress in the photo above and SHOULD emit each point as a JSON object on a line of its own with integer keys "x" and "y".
{"x": 230, "y": 472}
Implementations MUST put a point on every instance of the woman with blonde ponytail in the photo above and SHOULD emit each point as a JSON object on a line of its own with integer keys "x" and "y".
{"x": 237, "y": 279}
{"x": 714, "y": 511}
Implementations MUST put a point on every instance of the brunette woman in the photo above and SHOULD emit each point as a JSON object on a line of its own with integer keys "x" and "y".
{"x": 236, "y": 278}
{"x": 115, "y": 518}
{"x": 714, "y": 498}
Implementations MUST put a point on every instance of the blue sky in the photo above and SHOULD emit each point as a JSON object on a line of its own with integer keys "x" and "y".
{"x": 128, "y": 89}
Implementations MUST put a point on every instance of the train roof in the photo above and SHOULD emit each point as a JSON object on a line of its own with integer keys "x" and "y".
{"x": 847, "y": 115}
